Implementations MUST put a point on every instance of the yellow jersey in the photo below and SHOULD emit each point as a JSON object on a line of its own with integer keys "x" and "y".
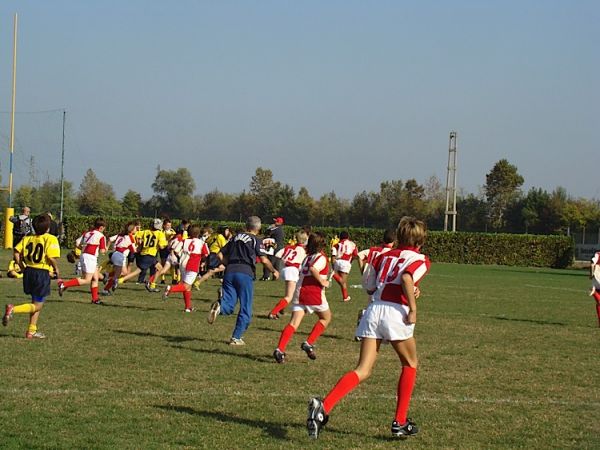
{"x": 151, "y": 241}
{"x": 37, "y": 249}
{"x": 216, "y": 242}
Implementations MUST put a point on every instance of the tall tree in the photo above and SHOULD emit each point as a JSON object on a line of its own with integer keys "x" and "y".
{"x": 96, "y": 197}
{"x": 131, "y": 203}
{"x": 502, "y": 187}
{"x": 174, "y": 192}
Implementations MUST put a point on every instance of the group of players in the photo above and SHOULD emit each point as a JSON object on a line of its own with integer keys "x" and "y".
{"x": 391, "y": 273}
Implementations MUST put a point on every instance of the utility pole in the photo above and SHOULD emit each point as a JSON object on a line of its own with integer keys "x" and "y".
{"x": 62, "y": 171}
{"x": 451, "y": 183}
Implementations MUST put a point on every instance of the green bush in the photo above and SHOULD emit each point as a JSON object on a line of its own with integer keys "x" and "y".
{"x": 465, "y": 248}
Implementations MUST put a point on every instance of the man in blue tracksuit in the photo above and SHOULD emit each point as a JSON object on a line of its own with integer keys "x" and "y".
{"x": 239, "y": 256}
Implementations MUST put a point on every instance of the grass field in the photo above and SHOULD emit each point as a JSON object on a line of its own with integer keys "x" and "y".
{"x": 509, "y": 358}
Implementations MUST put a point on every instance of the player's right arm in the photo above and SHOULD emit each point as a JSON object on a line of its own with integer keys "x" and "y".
{"x": 408, "y": 286}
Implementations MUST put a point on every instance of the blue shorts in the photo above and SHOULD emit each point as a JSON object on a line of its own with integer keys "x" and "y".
{"x": 145, "y": 261}
{"x": 36, "y": 282}
{"x": 213, "y": 261}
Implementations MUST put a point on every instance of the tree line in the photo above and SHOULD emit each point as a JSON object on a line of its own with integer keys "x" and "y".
{"x": 501, "y": 206}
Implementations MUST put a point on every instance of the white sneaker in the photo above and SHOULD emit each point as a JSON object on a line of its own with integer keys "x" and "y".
{"x": 237, "y": 342}
{"x": 215, "y": 309}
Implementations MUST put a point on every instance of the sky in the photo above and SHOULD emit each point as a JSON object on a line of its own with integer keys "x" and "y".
{"x": 331, "y": 94}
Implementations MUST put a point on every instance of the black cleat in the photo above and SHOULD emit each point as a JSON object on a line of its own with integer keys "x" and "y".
{"x": 309, "y": 349}
{"x": 403, "y": 431}
{"x": 279, "y": 356}
{"x": 316, "y": 417}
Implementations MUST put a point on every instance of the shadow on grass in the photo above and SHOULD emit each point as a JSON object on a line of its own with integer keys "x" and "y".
{"x": 274, "y": 429}
{"x": 172, "y": 339}
{"x": 526, "y": 270}
{"x": 537, "y": 322}
{"x": 303, "y": 333}
{"x": 216, "y": 351}
{"x": 117, "y": 305}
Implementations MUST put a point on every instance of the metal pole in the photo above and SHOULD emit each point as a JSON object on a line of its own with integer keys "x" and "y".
{"x": 62, "y": 170}
{"x": 12, "y": 114}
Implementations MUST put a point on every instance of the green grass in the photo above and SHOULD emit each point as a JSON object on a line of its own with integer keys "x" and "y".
{"x": 509, "y": 358}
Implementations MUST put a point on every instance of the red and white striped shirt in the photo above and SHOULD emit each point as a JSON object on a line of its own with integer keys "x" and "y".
{"x": 311, "y": 292}
{"x": 387, "y": 270}
{"x": 92, "y": 241}
{"x": 292, "y": 255}
{"x": 125, "y": 244}
{"x": 192, "y": 252}
{"x": 344, "y": 250}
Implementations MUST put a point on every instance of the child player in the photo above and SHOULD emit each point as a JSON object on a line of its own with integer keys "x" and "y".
{"x": 92, "y": 243}
{"x": 342, "y": 255}
{"x": 39, "y": 252}
{"x": 193, "y": 251}
{"x": 308, "y": 298}
{"x": 124, "y": 245}
{"x": 595, "y": 277}
{"x": 292, "y": 256}
{"x": 391, "y": 317}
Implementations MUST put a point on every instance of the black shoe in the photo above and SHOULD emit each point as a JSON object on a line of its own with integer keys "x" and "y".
{"x": 264, "y": 279}
{"x": 316, "y": 417}
{"x": 402, "y": 431}
{"x": 309, "y": 349}
{"x": 279, "y": 356}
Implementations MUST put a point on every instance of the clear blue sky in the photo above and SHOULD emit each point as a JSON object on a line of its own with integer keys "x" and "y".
{"x": 332, "y": 95}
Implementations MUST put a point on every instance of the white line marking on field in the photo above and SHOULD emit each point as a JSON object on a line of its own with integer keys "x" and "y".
{"x": 215, "y": 392}
{"x": 557, "y": 288}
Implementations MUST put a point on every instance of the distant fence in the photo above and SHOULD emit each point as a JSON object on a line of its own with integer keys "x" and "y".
{"x": 586, "y": 244}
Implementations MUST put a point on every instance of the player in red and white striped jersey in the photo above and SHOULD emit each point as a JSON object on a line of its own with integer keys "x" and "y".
{"x": 92, "y": 243}
{"x": 124, "y": 244}
{"x": 309, "y": 297}
{"x": 595, "y": 277}
{"x": 193, "y": 250}
{"x": 291, "y": 256}
{"x": 391, "y": 317}
{"x": 342, "y": 255}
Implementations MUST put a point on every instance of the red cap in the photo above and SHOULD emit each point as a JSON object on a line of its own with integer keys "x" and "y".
{"x": 278, "y": 220}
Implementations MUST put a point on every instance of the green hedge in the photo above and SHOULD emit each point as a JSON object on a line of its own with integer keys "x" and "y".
{"x": 465, "y": 248}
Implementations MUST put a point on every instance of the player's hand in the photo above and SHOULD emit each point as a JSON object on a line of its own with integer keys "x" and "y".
{"x": 417, "y": 292}
{"x": 276, "y": 275}
{"x": 325, "y": 283}
{"x": 412, "y": 318}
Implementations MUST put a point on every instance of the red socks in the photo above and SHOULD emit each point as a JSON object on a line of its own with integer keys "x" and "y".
{"x": 406, "y": 383}
{"x": 337, "y": 278}
{"x": 344, "y": 293}
{"x": 71, "y": 283}
{"x": 109, "y": 284}
{"x": 315, "y": 332}
{"x": 94, "y": 291}
{"x": 187, "y": 297}
{"x": 285, "y": 337}
{"x": 177, "y": 288}
{"x": 344, "y": 385}
{"x": 279, "y": 307}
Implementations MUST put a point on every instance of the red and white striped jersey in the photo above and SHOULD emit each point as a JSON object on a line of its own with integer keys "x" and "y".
{"x": 292, "y": 255}
{"x": 192, "y": 252}
{"x": 176, "y": 244}
{"x": 596, "y": 258}
{"x": 125, "y": 244}
{"x": 310, "y": 290}
{"x": 345, "y": 250}
{"x": 92, "y": 241}
{"x": 385, "y": 276}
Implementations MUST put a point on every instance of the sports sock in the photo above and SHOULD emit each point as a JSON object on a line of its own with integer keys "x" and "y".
{"x": 344, "y": 385}
{"x": 406, "y": 383}
{"x": 279, "y": 306}
{"x": 25, "y": 308}
{"x": 94, "y": 291}
{"x": 187, "y": 297}
{"x": 151, "y": 279}
{"x": 316, "y": 332}
{"x": 597, "y": 297}
{"x": 71, "y": 283}
{"x": 110, "y": 283}
{"x": 32, "y": 328}
{"x": 344, "y": 293}
{"x": 178, "y": 288}
{"x": 285, "y": 337}
{"x": 337, "y": 278}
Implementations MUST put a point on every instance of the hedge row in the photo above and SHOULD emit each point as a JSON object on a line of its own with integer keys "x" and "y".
{"x": 465, "y": 248}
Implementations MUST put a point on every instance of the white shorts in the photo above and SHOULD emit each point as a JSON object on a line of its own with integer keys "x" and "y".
{"x": 118, "y": 259}
{"x": 596, "y": 277}
{"x": 172, "y": 259}
{"x": 310, "y": 309}
{"x": 290, "y": 273}
{"x": 188, "y": 277}
{"x": 385, "y": 320}
{"x": 341, "y": 265}
{"x": 89, "y": 263}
